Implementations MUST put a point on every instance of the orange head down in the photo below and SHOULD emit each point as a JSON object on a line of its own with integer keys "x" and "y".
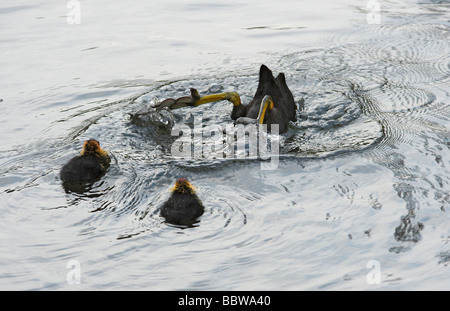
{"x": 92, "y": 147}
{"x": 183, "y": 186}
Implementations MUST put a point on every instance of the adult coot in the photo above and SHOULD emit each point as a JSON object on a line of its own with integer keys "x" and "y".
{"x": 273, "y": 102}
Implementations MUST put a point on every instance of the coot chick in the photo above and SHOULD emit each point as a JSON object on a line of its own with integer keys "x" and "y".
{"x": 87, "y": 167}
{"x": 183, "y": 207}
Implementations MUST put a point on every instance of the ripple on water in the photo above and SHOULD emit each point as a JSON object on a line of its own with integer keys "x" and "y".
{"x": 325, "y": 112}
{"x": 396, "y": 78}
{"x": 379, "y": 94}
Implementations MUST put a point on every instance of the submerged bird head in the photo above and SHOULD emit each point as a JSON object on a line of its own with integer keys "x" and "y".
{"x": 183, "y": 186}
{"x": 92, "y": 147}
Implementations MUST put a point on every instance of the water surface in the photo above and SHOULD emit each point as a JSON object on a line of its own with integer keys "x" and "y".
{"x": 363, "y": 174}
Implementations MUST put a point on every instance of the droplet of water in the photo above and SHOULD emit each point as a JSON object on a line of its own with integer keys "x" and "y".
{"x": 215, "y": 88}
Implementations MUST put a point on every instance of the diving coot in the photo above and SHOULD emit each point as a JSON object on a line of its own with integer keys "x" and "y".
{"x": 273, "y": 102}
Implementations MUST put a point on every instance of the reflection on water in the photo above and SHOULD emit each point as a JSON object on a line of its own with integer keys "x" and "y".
{"x": 363, "y": 172}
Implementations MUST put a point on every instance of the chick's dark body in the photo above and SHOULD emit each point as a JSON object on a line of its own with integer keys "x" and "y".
{"x": 182, "y": 208}
{"x": 84, "y": 168}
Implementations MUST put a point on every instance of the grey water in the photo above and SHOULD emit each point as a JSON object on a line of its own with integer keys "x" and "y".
{"x": 359, "y": 200}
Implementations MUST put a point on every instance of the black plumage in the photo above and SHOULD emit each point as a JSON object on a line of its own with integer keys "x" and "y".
{"x": 87, "y": 167}
{"x": 273, "y": 102}
{"x": 284, "y": 109}
{"x": 183, "y": 207}
{"x": 82, "y": 169}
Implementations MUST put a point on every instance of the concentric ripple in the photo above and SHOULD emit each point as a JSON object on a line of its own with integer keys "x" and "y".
{"x": 325, "y": 115}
